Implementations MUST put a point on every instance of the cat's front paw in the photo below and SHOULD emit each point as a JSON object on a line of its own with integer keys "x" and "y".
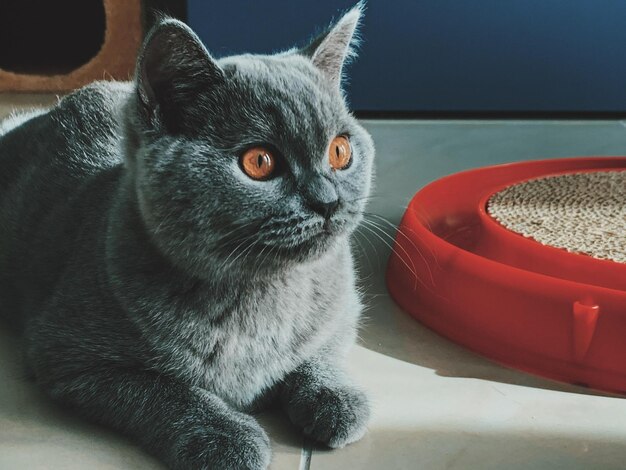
{"x": 335, "y": 416}
{"x": 238, "y": 444}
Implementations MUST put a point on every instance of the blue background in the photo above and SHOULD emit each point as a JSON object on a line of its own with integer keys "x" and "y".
{"x": 449, "y": 55}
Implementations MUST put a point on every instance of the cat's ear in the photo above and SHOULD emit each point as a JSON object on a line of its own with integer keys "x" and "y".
{"x": 173, "y": 68}
{"x": 333, "y": 48}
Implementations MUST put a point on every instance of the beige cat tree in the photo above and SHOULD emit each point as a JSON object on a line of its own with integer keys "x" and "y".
{"x": 115, "y": 60}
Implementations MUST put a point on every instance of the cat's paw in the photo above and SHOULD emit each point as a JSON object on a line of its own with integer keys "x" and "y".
{"x": 335, "y": 416}
{"x": 238, "y": 444}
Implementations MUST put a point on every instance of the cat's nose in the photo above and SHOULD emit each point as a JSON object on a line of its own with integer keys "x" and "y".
{"x": 321, "y": 196}
{"x": 324, "y": 208}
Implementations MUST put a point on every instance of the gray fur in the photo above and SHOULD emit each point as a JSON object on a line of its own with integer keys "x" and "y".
{"x": 163, "y": 292}
{"x": 18, "y": 118}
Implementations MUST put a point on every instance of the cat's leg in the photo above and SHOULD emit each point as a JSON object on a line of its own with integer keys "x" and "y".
{"x": 321, "y": 400}
{"x": 188, "y": 427}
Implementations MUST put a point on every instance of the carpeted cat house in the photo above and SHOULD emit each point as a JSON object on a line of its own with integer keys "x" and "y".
{"x": 64, "y": 44}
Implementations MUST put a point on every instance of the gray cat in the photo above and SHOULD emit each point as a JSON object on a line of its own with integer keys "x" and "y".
{"x": 176, "y": 250}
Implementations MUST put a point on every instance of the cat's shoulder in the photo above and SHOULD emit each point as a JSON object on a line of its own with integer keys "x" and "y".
{"x": 98, "y": 99}
{"x": 91, "y": 117}
{"x": 94, "y": 105}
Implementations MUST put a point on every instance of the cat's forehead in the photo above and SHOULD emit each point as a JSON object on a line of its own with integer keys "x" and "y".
{"x": 274, "y": 70}
{"x": 285, "y": 79}
{"x": 285, "y": 97}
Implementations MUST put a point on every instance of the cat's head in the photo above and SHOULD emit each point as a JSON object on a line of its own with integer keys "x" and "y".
{"x": 251, "y": 161}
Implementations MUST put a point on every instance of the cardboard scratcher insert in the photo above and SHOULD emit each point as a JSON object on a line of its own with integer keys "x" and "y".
{"x": 523, "y": 263}
{"x": 582, "y": 212}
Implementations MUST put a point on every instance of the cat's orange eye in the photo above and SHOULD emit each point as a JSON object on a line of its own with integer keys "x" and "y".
{"x": 340, "y": 153}
{"x": 258, "y": 163}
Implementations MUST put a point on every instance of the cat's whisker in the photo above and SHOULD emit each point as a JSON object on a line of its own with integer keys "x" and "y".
{"x": 403, "y": 206}
{"x": 425, "y": 218}
{"x": 224, "y": 237}
{"x": 364, "y": 251}
{"x": 406, "y": 237}
{"x": 432, "y": 279}
{"x": 245, "y": 239}
{"x": 245, "y": 252}
{"x": 372, "y": 245}
{"x": 256, "y": 265}
{"x": 432, "y": 252}
{"x": 458, "y": 231}
{"x": 364, "y": 198}
{"x": 370, "y": 230}
{"x": 382, "y": 231}
{"x": 400, "y": 257}
{"x": 361, "y": 249}
{"x": 261, "y": 262}
{"x": 417, "y": 278}
{"x": 258, "y": 223}
{"x": 412, "y": 268}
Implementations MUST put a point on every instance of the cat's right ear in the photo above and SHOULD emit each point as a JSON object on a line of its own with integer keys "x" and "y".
{"x": 173, "y": 69}
{"x": 333, "y": 48}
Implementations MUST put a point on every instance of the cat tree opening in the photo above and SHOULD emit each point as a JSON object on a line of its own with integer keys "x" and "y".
{"x": 49, "y": 37}
{"x": 64, "y": 44}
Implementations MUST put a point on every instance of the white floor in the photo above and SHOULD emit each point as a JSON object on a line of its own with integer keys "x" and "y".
{"x": 436, "y": 405}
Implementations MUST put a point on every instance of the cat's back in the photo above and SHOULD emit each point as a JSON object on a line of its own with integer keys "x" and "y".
{"x": 51, "y": 156}
{"x": 79, "y": 135}
{"x": 55, "y": 151}
{"x": 55, "y": 166}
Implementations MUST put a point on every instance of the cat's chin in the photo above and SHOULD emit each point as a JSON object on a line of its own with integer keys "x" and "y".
{"x": 308, "y": 250}
{"x": 275, "y": 255}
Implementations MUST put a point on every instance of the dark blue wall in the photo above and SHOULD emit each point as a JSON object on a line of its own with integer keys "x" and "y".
{"x": 450, "y": 55}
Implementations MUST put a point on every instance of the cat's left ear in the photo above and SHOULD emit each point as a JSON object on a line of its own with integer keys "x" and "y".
{"x": 333, "y": 48}
{"x": 173, "y": 70}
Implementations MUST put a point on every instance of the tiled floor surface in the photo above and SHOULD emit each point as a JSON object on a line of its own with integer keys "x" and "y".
{"x": 436, "y": 405}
